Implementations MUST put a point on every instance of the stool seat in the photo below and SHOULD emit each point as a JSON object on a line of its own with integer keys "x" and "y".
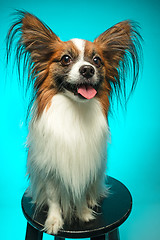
{"x": 112, "y": 212}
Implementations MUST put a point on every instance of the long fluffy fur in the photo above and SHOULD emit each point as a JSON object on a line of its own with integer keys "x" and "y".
{"x": 71, "y": 154}
{"x": 121, "y": 46}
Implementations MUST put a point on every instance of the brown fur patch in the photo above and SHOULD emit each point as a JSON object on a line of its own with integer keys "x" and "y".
{"x": 91, "y": 50}
{"x": 48, "y": 89}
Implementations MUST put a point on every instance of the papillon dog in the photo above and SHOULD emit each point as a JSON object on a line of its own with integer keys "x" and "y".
{"x": 73, "y": 83}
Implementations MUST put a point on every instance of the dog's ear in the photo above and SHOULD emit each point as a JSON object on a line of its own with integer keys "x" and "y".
{"x": 121, "y": 48}
{"x": 115, "y": 42}
{"x": 34, "y": 44}
{"x": 35, "y": 37}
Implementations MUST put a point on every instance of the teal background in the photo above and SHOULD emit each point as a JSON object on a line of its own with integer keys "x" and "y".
{"x": 134, "y": 144}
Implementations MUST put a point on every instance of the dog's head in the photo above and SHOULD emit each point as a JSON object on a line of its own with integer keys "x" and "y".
{"x": 80, "y": 69}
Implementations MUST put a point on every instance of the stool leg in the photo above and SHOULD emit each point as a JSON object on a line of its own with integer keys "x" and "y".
{"x": 58, "y": 238}
{"x": 102, "y": 237}
{"x": 32, "y": 233}
{"x": 114, "y": 235}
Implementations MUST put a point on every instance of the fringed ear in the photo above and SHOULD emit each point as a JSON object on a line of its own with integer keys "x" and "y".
{"x": 35, "y": 45}
{"x": 121, "y": 49}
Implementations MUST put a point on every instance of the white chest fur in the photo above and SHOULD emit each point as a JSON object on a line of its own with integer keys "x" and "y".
{"x": 69, "y": 139}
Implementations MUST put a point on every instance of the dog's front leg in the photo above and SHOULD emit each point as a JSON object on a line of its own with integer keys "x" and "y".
{"x": 54, "y": 221}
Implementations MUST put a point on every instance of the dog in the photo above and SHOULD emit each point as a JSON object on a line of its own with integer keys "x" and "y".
{"x": 73, "y": 83}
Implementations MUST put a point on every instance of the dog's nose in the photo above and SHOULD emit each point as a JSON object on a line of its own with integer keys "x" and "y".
{"x": 87, "y": 71}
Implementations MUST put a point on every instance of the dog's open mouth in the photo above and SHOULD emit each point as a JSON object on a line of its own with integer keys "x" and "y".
{"x": 85, "y": 91}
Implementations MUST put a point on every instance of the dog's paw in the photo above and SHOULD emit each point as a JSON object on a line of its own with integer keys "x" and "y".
{"x": 53, "y": 225}
{"x": 87, "y": 215}
{"x": 92, "y": 203}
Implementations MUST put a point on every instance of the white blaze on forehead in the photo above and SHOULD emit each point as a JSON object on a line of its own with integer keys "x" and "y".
{"x": 74, "y": 73}
{"x": 80, "y": 44}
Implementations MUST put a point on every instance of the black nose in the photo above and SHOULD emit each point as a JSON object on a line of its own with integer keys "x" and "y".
{"x": 87, "y": 71}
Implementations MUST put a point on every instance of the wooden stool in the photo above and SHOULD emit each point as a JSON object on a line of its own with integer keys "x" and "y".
{"x": 114, "y": 210}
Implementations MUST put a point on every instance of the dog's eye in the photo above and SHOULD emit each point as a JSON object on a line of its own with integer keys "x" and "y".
{"x": 66, "y": 60}
{"x": 97, "y": 61}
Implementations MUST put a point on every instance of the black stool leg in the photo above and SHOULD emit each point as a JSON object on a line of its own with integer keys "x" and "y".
{"x": 32, "y": 233}
{"x": 114, "y": 235}
{"x": 58, "y": 238}
{"x": 102, "y": 237}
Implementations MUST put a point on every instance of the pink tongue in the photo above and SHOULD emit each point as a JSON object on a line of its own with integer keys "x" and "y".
{"x": 87, "y": 91}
